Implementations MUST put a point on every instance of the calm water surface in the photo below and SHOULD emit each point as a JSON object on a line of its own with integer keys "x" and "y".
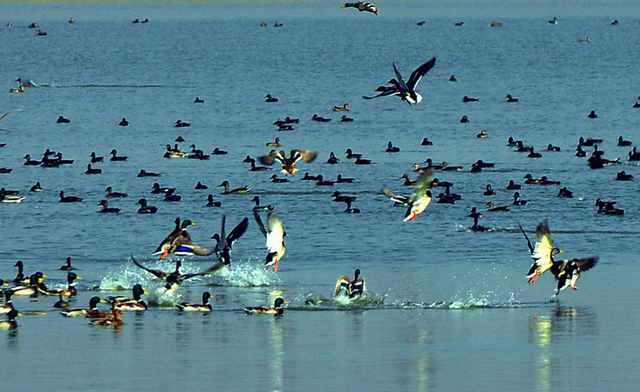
{"x": 446, "y": 309}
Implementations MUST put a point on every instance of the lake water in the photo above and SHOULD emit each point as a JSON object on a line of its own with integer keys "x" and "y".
{"x": 446, "y": 309}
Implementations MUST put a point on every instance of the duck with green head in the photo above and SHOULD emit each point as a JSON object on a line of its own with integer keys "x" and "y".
{"x": 127, "y": 303}
{"x": 205, "y": 306}
{"x": 11, "y": 322}
{"x": 276, "y": 310}
{"x": 92, "y": 312}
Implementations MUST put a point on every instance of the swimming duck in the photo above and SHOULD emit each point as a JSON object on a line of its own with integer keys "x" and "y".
{"x": 407, "y": 180}
{"x": 145, "y": 208}
{"x": 426, "y": 142}
{"x": 256, "y": 199}
{"x": 17, "y": 90}
{"x": 476, "y": 216}
{"x": 589, "y": 141}
{"x": 344, "y": 179}
{"x": 123, "y": 122}
{"x": 20, "y": 278}
{"x": 288, "y": 164}
{"x": 4, "y": 170}
{"x": 362, "y": 161}
{"x": 333, "y": 159}
{"x": 274, "y": 178}
{"x": 270, "y": 98}
{"x": 322, "y": 182}
{"x": 634, "y": 155}
{"x": 61, "y": 303}
{"x": 484, "y": 164}
{"x": 349, "y": 209}
{"x": 198, "y": 100}
{"x": 275, "y": 143}
{"x": 533, "y": 154}
{"x": 420, "y": 169}
{"x": 343, "y": 108}
{"x": 436, "y": 182}
{"x": 11, "y": 322}
{"x": 111, "y": 193}
{"x": 469, "y": 99}
{"x": 607, "y": 208}
{"x": 285, "y": 127}
{"x": 491, "y": 207}
{"x": 351, "y": 155}
{"x": 513, "y": 186}
{"x": 8, "y": 304}
{"x": 352, "y": 288}
{"x": 112, "y": 320}
{"x": 489, "y": 191}
{"x": 592, "y": 114}
{"x": 421, "y": 23}
{"x": 585, "y": 41}
{"x": 263, "y": 24}
{"x": 407, "y": 91}
{"x": 127, "y": 303}
{"x": 392, "y": 148}
{"x": 92, "y": 312}
{"x": 200, "y": 185}
{"x": 30, "y": 162}
{"x": 36, "y": 188}
{"x": 174, "y": 152}
{"x": 420, "y": 198}
{"x": 551, "y": 147}
{"x": 308, "y": 177}
{"x": 622, "y": 142}
{"x": 276, "y": 310}
{"x": 32, "y": 288}
{"x": 362, "y": 6}
{"x": 339, "y": 197}
{"x": 69, "y": 199}
{"x": 181, "y": 124}
{"x": 622, "y": 176}
{"x": 10, "y": 199}
{"x": 169, "y": 196}
{"x": 70, "y": 291}
{"x": 174, "y": 277}
{"x": 67, "y": 266}
{"x": 224, "y": 241}
{"x": 615, "y": 22}
{"x": 115, "y": 157}
{"x": 483, "y": 134}
{"x": 62, "y": 120}
{"x": 217, "y": 151}
{"x": 511, "y": 142}
{"x": 566, "y": 193}
{"x": 315, "y": 117}
{"x": 517, "y": 201}
{"x": 345, "y": 118}
{"x": 95, "y": 159}
{"x": 636, "y": 105}
{"x": 580, "y": 152}
{"x": 106, "y": 209}
{"x": 205, "y": 306}
{"x": 554, "y": 20}
{"x": 510, "y": 98}
{"x": 274, "y": 233}
{"x": 258, "y": 168}
{"x": 496, "y": 24}
{"x": 465, "y": 119}
{"x": 228, "y": 191}
{"x": 144, "y": 173}
{"x": 211, "y": 203}
{"x": 156, "y": 189}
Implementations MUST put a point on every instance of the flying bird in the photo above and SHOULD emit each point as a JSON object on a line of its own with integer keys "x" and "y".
{"x": 420, "y": 198}
{"x": 362, "y": 6}
{"x": 224, "y": 242}
{"x": 274, "y": 233}
{"x": 288, "y": 164}
{"x": 406, "y": 90}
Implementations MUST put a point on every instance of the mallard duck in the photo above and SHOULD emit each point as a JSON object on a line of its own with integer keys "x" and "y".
{"x": 623, "y": 143}
{"x": 623, "y": 176}
{"x": 172, "y": 242}
{"x": 32, "y": 288}
{"x": 96, "y": 159}
{"x": 20, "y": 278}
{"x": 29, "y": 161}
{"x": 211, "y": 203}
{"x": 465, "y": 119}
{"x": 275, "y": 310}
{"x": 198, "y": 100}
{"x": 145, "y": 208}
{"x": 200, "y": 185}
{"x": 106, "y": 209}
{"x": 224, "y": 241}
{"x": 275, "y": 143}
{"x": 407, "y": 180}
{"x": 352, "y": 288}
{"x": 420, "y": 198}
{"x": 36, "y": 188}
{"x": 492, "y": 207}
{"x": 144, "y": 173}
{"x": 308, "y": 177}
{"x": 489, "y": 191}
{"x": 349, "y": 209}
{"x": 406, "y": 90}
{"x": 510, "y": 98}
{"x": 343, "y": 108}
{"x": 115, "y": 157}
{"x": 170, "y": 278}
{"x": 339, "y": 179}
{"x": 274, "y": 233}
{"x": 288, "y": 164}
{"x": 70, "y": 291}
{"x": 181, "y": 124}
{"x": 156, "y": 189}
{"x": 111, "y": 193}
{"x": 258, "y": 168}
{"x": 268, "y": 207}
{"x": 333, "y": 159}
{"x": 218, "y": 151}
{"x": 205, "y": 306}
{"x": 362, "y": 6}
{"x": 392, "y": 148}
{"x": 592, "y": 114}
{"x": 169, "y": 196}
{"x": 11, "y": 322}
{"x": 513, "y": 186}
{"x": 476, "y": 216}
{"x": 123, "y": 122}
{"x": 607, "y": 208}
{"x": 517, "y": 201}
{"x": 10, "y": 199}
{"x": 91, "y": 170}
{"x": 8, "y": 304}
{"x": 112, "y": 320}
{"x": 274, "y": 178}
{"x": 131, "y": 303}
{"x": 61, "y": 303}
{"x": 426, "y": 142}
{"x": 564, "y": 192}
{"x": 533, "y": 154}
{"x": 567, "y": 272}
{"x": 317, "y": 118}
{"x": 543, "y": 252}
{"x": 92, "y": 312}
{"x": 339, "y": 197}
{"x": 351, "y": 155}
{"x": 228, "y": 191}
{"x": 270, "y": 98}
{"x": 173, "y": 153}
{"x": 67, "y": 266}
{"x": 322, "y": 182}
{"x": 17, "y": 90}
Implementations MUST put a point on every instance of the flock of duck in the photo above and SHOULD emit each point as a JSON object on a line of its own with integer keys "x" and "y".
{"x": 179, "y": 242}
